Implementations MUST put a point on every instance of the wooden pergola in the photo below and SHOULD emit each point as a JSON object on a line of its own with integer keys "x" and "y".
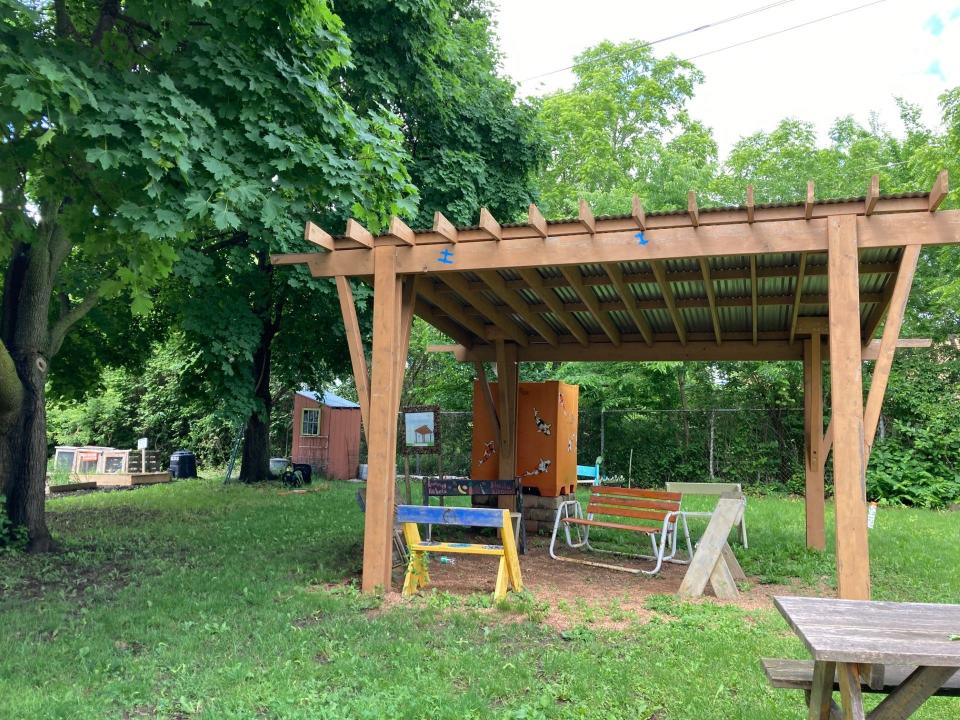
{"x": 810, "y": 282}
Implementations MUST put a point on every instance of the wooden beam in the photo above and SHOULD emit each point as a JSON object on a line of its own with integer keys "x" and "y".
{"x": 890, "y": 230}
{"x": 615, "y": 274}
{"x": 444, "y": 228}
{"x": 938, "y": 192}
{"x": 536, "y": 221}
{"x": 692, "y": 209}
{"x": 797, "y": 296}
{"x": 488, "y": 402}
{"x": 589, "y": 299}
{"x": 637, "y": 212}
{"x": 809, "y": 325}
{"x": 853, "y": 558}
{"x": 888, "y": 345}
{"x": 667, "y": 292}
{"x": 751, "y": 209}
{"x": 382, "y": 453}
{"x": 408, "y": 296}
{"x": 555, "y": 304}
{"x": 489, "y": 225}
{"x": 711, "y": 296}
{"x": 399, "y": 231}
{"x": 314, "y": 234}
{"x": 873, "y": 195}
{"x": 506, "y": 324}
{"x": 586, "y": 217}
{"x": 445, "y": 325}
{"x": 358, "y": 233}
{"x": 358, "y": 360}
{"x": 808, "y": 205}
{"x": 813, "y": 437}
{"x": 507, "y": 392}
{"x": 753, "y": 296}
{"x": 634, "y": 349}
{"x": 512, "y": 298}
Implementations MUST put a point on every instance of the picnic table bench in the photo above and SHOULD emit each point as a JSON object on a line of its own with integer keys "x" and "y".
{"x": 904, "y": 650}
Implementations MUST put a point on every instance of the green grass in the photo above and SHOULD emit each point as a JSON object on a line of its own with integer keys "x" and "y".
{"x": 197, "y": 600}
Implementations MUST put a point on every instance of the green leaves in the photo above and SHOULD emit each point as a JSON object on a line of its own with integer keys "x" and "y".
{"x": 28, "y": 101}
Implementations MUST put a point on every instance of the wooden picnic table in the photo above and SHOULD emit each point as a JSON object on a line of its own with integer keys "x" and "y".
{"x": 847, "y": 637}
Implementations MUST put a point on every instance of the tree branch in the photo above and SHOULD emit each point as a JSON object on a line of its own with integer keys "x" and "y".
{"x": 109, "y": 13}
{"x": 64, "y": 26}
{"x": 63, "y": 324}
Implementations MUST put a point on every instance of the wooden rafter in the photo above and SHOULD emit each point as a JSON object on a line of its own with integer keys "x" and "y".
{"x": 444, "y": 324}
{"x": 586, "y": 217}
{"x": 555, "y": 304}
{"x": 939, "y": 191}
{"x": 711, "y": 296}
{"x": 536, "y": 222}
{"x": 798, "y": 295}
{"x": 453, "y": 309}
{"x": 753, "y": 296}
{"x": 444, "y": 228}
{"x": 809, "y": 204}
{"x": 589, "y": 299}
{"x": 873, "y": 196}
{"x": 358, "y": 233}
{"x": 314, "y": 234}
{"x": 671, "y": 304}
{"x": 399, "y": 231}
{"x": 489, "y": 225}
{"x": 520, "y": 306}
{"x": 692, "y": 210}
{"x": 615, "y": 274}
{"x": 637, "y": 213}
{"x": 880, "y": 308}
{"x": 750, "y": 207}
{"x": 494, "y": 314}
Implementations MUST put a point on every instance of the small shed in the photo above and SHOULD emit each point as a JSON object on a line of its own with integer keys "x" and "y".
{"x": 326, "y": 433}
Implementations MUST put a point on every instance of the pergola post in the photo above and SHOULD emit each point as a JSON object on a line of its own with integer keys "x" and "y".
{"x": 813, "y": 436}
{"x": 853, "y": 558}
{"x": 507, "y": 389}
{"x": 384, "y": 405}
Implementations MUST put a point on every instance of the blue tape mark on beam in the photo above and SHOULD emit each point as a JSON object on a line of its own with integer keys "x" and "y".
{"x": 641, "y": 240}
{"x": 467, "y": 517}
{"x": 446, "y": 257}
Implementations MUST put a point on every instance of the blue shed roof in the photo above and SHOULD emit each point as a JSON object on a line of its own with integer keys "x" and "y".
{"x": 328, "y": 399}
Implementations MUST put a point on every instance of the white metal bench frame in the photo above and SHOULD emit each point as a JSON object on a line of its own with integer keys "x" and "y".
{"x": 667, "y": 534}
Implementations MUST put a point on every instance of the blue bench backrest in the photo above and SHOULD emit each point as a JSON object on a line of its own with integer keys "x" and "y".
{"x": 465, "y": 516}
{"x": 590, "y": 471}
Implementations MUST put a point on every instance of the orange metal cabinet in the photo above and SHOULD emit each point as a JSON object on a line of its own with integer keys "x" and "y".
{"x": 546, "y": 437}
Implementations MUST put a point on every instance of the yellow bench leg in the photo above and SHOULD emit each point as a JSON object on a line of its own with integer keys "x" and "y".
{"x": 500, "y": 592}
{"x": 417, "y": 574}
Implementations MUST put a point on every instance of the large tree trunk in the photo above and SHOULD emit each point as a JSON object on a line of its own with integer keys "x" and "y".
{"x": 255, "y": 465}
{"x": 11, "y": 389}
{"x": 24, "y": 329}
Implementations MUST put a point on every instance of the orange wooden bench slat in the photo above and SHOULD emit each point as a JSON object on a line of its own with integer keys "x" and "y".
{"x": 643, "y": 504}
{"x": 637, "y": 493}
{"x": 617, "y": 511}
{"x": 615, "y": 526}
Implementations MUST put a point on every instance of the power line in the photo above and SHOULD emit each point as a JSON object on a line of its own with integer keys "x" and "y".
{"x": 642, "y": 43}
{"x": 788, "y": 29}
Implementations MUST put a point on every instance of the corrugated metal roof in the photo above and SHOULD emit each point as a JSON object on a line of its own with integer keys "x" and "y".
{"x": 327, "y": 398}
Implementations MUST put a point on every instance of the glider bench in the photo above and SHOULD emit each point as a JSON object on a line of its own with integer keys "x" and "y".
{"x": 418, "y": 576}
{"x": 617, "y": 506}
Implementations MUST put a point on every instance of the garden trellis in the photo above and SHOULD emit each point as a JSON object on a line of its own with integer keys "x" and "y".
{"x": 809, "y": 282}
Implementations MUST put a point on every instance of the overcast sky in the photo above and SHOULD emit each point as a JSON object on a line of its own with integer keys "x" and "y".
{"x": 852, "y": 64}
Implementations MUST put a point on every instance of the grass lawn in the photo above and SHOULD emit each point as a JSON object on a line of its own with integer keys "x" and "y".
{"x": 196, "y": 600}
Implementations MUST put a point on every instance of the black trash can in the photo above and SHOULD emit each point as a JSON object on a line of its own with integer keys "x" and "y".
{"x": 183, "y": 464}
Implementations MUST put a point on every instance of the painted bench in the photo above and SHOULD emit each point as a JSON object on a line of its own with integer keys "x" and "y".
{"x": 508, "y": 574}
{"x": 589, "y": 474}
{"x": 618, "y": 506}
{"x": 712, "y": 488}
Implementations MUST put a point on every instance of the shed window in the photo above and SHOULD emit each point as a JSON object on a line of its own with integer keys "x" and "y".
{"x": 311, "y": 422}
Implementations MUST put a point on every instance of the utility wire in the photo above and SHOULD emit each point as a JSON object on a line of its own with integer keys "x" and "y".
{"x": 788, "y": 29}
{"x": 643, "y": 43}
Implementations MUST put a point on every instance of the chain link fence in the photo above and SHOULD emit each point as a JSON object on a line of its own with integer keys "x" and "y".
{"x": 645, "y": 448}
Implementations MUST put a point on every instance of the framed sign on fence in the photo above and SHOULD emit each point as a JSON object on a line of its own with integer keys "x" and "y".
{"x": 421, "y": 429}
